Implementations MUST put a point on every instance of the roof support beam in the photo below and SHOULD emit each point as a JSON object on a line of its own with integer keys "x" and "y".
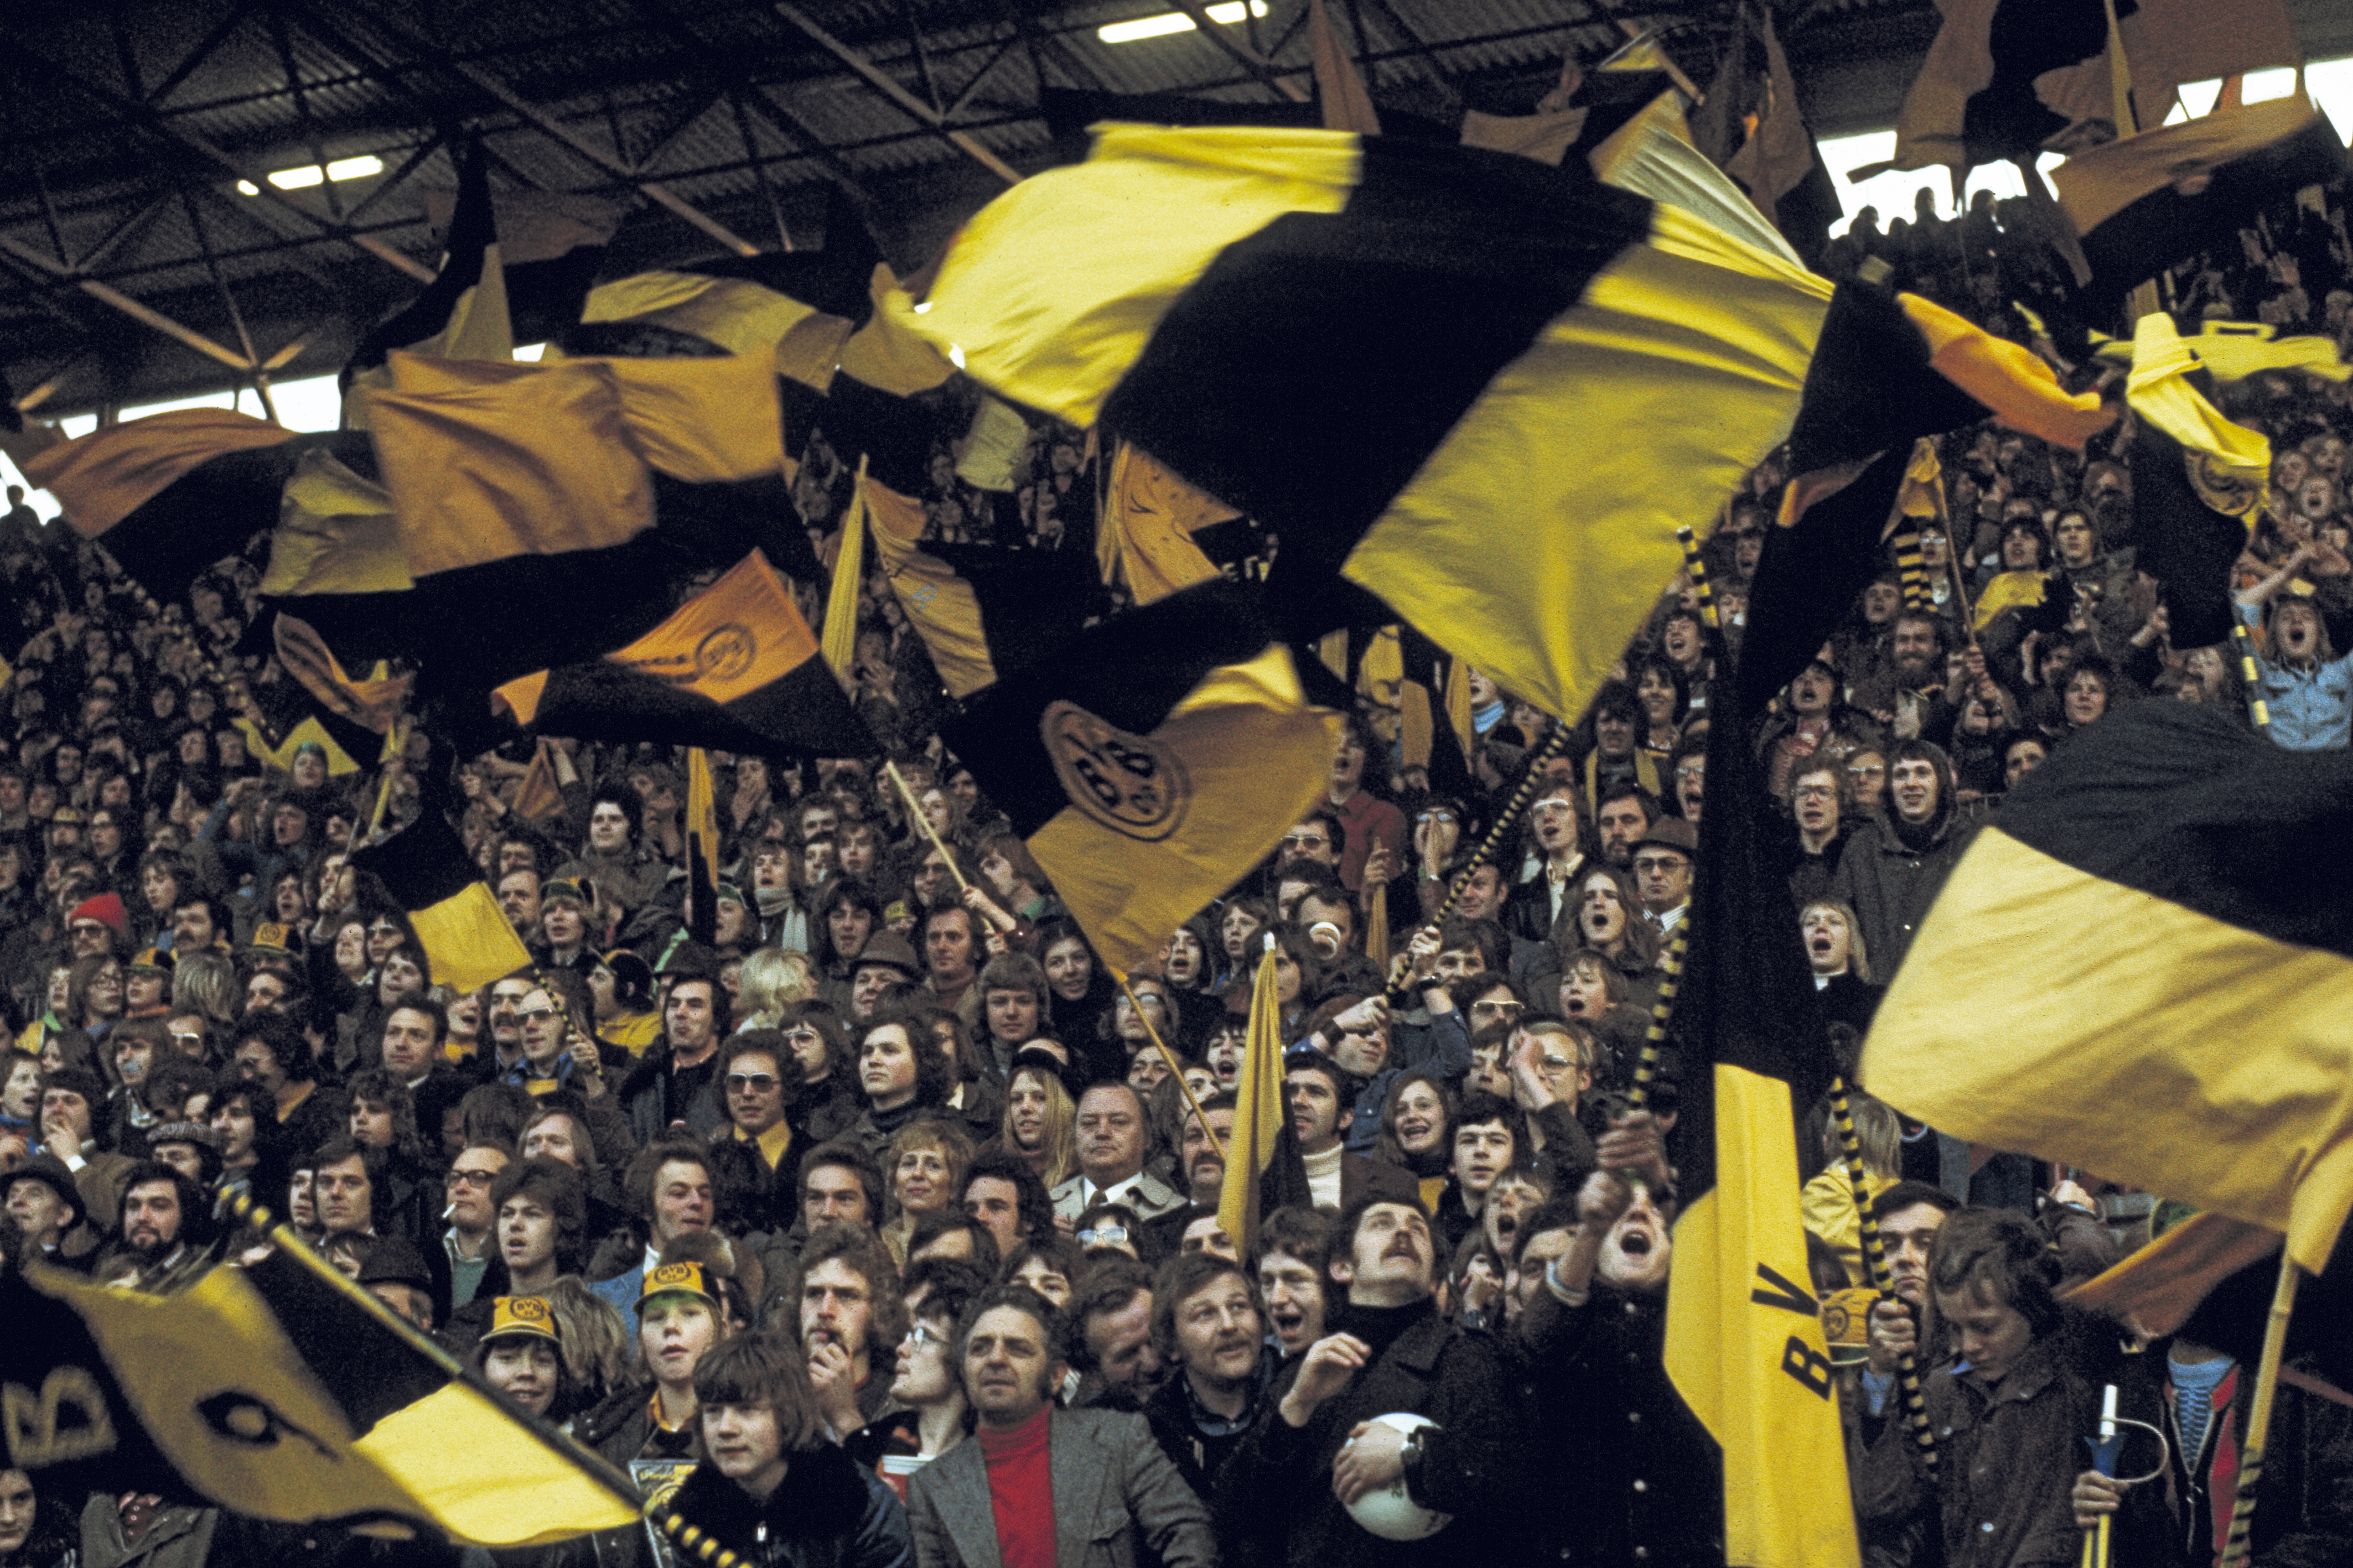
{"x": 548, "y": 126}
{"x": 923, "y": 113}
{"x": 1251, "y": 60}
{"x": 140, "y": 114}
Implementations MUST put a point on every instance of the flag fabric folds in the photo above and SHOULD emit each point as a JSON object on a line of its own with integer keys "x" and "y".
{"x": 2202, "y": 1051}
{"x": 2143, "y": 203}
{"x": 171, "y": 493}
{"x": 1149, "y": 519}
{"x": 1260, "y": 1114}
{"x": 284, "y": 1394}
{"x": 1152, "y": 763}
{"x": 736, "y": 669}
{"x": 1743, "y": 1342}
{"x": 427, "y": 871}
{"x": 2197, "y": 484}
{"x": 701, "y": 848}
{"x": 1390, "y": 353}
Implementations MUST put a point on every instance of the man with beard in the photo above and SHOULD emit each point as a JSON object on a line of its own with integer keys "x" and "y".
{"x": 164, "y": 1216}
{"x": 1587, "y": 1348}
{"x": 2308, "y": 686}
{"x": 1282, "y": 1496}
{"x": 1208, "y": 1329}
{"x": 1910, "y": 695}
{"x": 848, "y": 1308}
{"x": 1893, "y": 867}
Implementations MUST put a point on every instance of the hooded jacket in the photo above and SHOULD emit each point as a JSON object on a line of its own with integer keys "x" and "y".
{"x": 1889, "y": 879}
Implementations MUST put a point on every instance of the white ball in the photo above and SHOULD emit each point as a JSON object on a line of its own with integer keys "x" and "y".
{"x": 1386, "y": 1511}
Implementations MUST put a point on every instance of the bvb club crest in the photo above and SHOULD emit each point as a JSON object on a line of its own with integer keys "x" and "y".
{"x": 727, "y": 653}
{"x": 1130, "y": 784}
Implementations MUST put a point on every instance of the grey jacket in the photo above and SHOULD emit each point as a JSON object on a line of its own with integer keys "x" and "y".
{"x": 1118, "y": 1501}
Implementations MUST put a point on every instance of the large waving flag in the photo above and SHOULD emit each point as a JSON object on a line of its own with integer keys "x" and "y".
{"x": 2197, "y": 483}
{"x": 1398, "y": 357}
{"x": 736, "y": 669}
{"x": 2199, "y": 1050}
{"x": 1744, "y": 1342}
{"x": 282, "y": 1391}
{"x": 427, "y": 871}
{"x": 1152, "y": 763}
{"x": 169, "y": 494}
{"x": 1259, "y": 1114}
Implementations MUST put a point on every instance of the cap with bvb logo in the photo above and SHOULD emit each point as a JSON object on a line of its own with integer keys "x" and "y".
{"x": 687, "y": 1278}
{"x": 524, "y": 1315}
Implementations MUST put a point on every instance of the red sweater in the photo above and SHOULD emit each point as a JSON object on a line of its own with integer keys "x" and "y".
{"x": 1021, "y": 1491}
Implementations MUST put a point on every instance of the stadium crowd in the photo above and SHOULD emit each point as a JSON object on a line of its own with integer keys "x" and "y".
{"x": 879, "y": 1227}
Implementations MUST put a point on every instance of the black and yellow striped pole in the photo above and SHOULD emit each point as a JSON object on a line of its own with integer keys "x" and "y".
{"x": 2250, "y": 674}
{"x": 2235, "y": 1545}
{"x": 1883, "y": 1277}
{"x": 1551, "y": 746}
{"x": 1703, "y": 590}
{"x": 1663, "y": 1013}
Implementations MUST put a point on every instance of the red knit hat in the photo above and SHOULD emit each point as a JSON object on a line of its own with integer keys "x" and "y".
{"x": 106, "y": 910}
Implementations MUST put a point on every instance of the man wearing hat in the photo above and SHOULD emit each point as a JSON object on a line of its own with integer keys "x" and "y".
{"x": 623, "y": 986}
{"x": 189, "y": 1148}
{"x": 681, "y": 1320}
{"x": 394, "y": 1273}
{"x": 1662, "y": 871}
{"x": 40, "y": 1200}
{"x": 99, "y": 925}
{"x": 147, "y": 984}
{"x": 887, "y": 960}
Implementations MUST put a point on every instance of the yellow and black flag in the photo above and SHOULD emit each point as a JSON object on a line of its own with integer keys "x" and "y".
{"x": 2139, "y": 205}
{"x": 1743, "y": 1343}
{"x": 2008, "y": 79}
{"x": 169, "y": 495}
{"x": 1152, "y": 763}
{"x": 736, "y": 669}
{"x": 2198, "y": 1048}
{"x": 426, "y": 871}
{"x": 1391, "y": 353}
{"x": 284, "y": 1393}
{"x": 2197, "y": 483}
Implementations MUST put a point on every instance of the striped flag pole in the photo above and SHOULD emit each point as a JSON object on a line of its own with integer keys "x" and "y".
{"x": 1883, "y": 1279}
{"x": 2259, "y": 1415}
{"x": 1663, "y": 1013}
{"x": 1701, "y": 589}
{"x": 2244, "y": 646}
{"x": 1551, "y": 746}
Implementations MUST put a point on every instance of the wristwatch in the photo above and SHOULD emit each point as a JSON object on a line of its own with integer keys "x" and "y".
{"x": 1410, "y": 1458}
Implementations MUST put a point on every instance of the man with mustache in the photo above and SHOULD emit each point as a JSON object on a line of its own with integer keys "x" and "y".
{"x": 1288, "y": 1485}
{"x": 162, "y": 1216}
{"x": 1208, "y": 1328}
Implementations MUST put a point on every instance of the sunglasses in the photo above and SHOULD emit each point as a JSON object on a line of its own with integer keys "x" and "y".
{"x": 752, "y": 1082}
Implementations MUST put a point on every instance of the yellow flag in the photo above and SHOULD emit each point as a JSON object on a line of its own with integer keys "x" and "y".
{"x": 1258, "y": 1111}
{"x": 840, "y": 642}
{"x": 1148, "y": 527}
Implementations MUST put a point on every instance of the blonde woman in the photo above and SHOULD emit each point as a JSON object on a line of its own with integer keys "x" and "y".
{"x": 1041, "y": 1123}
{"x": 923, "y": 1168}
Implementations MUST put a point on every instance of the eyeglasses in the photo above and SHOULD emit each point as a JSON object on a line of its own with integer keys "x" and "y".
{"x": 1813, "y": 791}
{"x": 1435, "y": 817}
{"x": 798, "y": 1038}
{"x": 187, "y": 1040}
{"x": 460, "y": 1177}
{"x": 1496, "y": 1009}
{"x": 923, "y": 1334}
{"x": 751, "y": 1082}
{"x": 1306, "y": 840}
{"x": 1691, "y": 771}
{"x": 1554, "y": 809}
{"x": 1104, "y": 1235}
{"x": 537, "y": 1014}
{"x": 1660, "y": 862}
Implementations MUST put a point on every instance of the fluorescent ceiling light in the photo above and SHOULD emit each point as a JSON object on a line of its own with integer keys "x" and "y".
{"x": 303, "y": 176}
{"x": 1169, "y": 22}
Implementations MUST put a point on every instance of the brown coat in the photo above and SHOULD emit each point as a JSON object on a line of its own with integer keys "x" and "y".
{"x": 2006, "y": 1461}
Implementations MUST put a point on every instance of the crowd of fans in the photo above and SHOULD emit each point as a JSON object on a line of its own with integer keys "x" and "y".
{"x": 881, "y": 1218}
